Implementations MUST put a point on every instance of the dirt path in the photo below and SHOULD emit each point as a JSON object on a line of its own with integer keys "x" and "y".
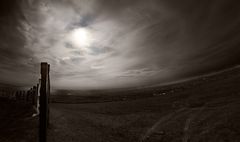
{"x": 187, "y": 126}
{"x": 154, "y": 132}
{"x": 151, "y": 130}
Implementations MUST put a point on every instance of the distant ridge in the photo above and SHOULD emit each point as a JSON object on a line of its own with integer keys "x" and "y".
{"x": 224, "y": 71}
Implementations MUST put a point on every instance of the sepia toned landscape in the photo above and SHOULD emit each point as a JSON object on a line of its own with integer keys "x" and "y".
{"x": 119, "y": 70}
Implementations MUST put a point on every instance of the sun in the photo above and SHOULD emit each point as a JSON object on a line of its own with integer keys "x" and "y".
{"x": 81, "y": 37}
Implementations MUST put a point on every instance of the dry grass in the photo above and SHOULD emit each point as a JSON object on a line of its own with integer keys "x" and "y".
{"x": 206, "y": 112}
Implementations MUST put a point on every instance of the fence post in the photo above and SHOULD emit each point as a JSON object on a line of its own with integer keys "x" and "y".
{"x": 44, "y": 95}
{"x": 23, "y": 95}
{"x": 37, "y": 93}
{"x": 34, "y": 95}
{"x": 27, "y": 94}
{"x": 20, "y": 95}
{"x": 48, "y": 91}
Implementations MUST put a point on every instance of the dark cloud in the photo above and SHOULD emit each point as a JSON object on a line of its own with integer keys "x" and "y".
{"x": 16, "y": 62}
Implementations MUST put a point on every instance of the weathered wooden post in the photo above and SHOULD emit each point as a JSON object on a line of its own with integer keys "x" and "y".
{"x": 23, "y": 95}
{"x": 16, "y": 95}
{"x": 37, "y": 96}
{"x": 28, "y": 96}
{"x": 48, "y": 85}
{"x": 6, "y": 94}
{"x": 20, "y": 95}
{"x": 12, "y": 94}
{"x": 34, "y": 93}
{"x": 44, "y": 95}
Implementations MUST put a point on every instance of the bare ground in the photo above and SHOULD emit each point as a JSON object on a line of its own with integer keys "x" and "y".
{"x": 16, "y": 123}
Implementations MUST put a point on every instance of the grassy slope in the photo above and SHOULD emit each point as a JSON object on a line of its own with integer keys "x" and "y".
{"x": 202, "y": 111}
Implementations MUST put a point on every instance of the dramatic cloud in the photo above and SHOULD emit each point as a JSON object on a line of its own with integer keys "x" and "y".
{"x": 109, "y": 43}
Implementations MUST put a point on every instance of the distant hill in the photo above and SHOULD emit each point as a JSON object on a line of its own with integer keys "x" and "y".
{"x": 81, "y": 96}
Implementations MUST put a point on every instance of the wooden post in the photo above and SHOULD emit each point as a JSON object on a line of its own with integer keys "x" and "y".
{"x": 20, "y": 95}
{"x": 32, "y": 95}
{"x": 37, "y": 99}
{"x": 28, "y": 95}
{"x": 16, "y": 95}
{"x": 44, "y": 95}
{"x": 34, "y": 100}
{"x": 24, "y": 96}
{"x": 48, "y": 91}
{"x": 38, "y": 95}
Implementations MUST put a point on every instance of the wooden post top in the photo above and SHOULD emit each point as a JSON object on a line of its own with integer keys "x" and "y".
{"x": 44, "y": 67}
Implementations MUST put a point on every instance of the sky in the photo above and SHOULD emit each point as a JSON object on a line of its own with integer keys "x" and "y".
{"x": 116, "y": 44}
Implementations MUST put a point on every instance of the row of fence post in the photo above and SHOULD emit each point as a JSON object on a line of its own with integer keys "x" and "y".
{"x": 27, "y": 96}
{"x": 38, "y": 96}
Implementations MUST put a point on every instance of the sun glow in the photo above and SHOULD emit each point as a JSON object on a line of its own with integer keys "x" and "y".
{"x": 81, "y": 37}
